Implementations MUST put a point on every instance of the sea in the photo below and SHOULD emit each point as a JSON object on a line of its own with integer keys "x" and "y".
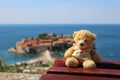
{"x": 107, "y": 43}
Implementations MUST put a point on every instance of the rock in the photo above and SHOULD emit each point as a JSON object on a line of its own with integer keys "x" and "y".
{"x": 17, "y": 50}
{"x": 31, "y": 61}
{"x": 13, "y": 50}
{"x": 18, "y": 63}
{"x": 20, "y": 51}
{"x": 41, "y": 71}
{"x": 26, "y": 71}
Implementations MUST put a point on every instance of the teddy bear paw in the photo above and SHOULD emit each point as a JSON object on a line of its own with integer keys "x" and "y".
{"x": 89, "y": 64}
{"x": 71, "y": 62}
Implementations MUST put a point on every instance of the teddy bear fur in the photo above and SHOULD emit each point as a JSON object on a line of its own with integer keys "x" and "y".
{"x": 82, "y": 52}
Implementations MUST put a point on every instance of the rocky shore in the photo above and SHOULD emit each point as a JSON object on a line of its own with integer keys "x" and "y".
{"x": 28, "y": 70}
{"x": 38, "y": 65}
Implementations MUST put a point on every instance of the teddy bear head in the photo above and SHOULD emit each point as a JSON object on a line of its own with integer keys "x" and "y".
{"x": 83, "y": 39}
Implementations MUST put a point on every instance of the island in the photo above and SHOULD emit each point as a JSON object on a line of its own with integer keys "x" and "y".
{"x": 44, "y": 41}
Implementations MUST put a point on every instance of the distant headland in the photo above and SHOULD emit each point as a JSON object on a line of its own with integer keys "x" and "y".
{"x": 44, "y": 41}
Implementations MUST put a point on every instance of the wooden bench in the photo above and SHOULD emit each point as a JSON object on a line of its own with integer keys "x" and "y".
{"x": 106, "y": 70}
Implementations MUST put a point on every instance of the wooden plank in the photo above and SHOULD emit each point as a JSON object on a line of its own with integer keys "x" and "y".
{"x": 74, "y": 77}
{"x": 59, "y": 62}
{"x": 106, "y": 70}
{"x": 107, "y": 64}
{"x": 84, "y": 71}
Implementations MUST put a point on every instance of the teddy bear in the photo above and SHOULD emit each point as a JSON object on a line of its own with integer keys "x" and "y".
{"x": 82, "y": 52}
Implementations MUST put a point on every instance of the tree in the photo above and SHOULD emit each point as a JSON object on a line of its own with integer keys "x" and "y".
{"x": 1, "y": 64}
{"x": 42, "y": 35}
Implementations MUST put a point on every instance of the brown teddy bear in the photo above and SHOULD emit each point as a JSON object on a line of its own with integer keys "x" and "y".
{"x": 82, "y": 52}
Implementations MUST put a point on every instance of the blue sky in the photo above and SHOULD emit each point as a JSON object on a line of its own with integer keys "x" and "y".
{"x": 59, "y": 11}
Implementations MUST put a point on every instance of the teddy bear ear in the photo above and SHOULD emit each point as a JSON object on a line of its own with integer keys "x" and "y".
{"x": 74, "y": 34}
{"x": 94, "y": 36}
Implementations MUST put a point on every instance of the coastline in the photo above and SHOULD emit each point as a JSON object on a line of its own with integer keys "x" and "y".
{"x": 37, "y": 65}
{"x": 44, "y": 57}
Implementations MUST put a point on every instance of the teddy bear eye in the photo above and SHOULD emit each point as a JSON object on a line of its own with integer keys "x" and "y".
{"x": 86, "y": 40}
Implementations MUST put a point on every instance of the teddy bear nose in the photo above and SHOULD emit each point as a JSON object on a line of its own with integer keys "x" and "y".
{"x": 81, "y": 44}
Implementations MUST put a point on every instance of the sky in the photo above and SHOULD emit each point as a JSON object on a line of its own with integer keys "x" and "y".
{"x": 59, "y": 11}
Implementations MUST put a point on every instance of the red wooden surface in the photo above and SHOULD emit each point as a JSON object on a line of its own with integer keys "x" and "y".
{"x": 106, "y": 70}
{"x": 74, "y": 77}
{"x": 83, "y": 71}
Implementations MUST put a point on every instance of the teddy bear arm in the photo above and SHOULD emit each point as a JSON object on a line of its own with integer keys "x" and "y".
{"x": 68, "y": 53}
{"x": 95, "y": 56}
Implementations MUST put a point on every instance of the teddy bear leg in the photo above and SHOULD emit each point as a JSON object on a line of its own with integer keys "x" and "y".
{"x": 89, "y": 64}
{"x": 71, "y": 62}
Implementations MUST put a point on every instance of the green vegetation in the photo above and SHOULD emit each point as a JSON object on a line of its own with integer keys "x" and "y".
{"x": 15, "y": 68}
{"x": 42, "y": 35}
{"x": 54, "y": 39}
{"x": 7, "y": 68}
{"x": 32, "y": 50}
{"x": 1, "y": 65}
{"x": 47, "y": 64}
{"x": 45, "y": 36}
{"x": 59, "y": 47}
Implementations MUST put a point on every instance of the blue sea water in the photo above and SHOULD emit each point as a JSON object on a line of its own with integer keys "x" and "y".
{"x": 107, "y": 43}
